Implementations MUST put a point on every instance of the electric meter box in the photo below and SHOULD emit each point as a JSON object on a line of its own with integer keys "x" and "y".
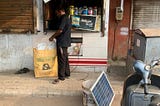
{"x": 146, "y": 44}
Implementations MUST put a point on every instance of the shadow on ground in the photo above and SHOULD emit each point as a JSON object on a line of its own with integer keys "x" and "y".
{"x": 117, "y": 71}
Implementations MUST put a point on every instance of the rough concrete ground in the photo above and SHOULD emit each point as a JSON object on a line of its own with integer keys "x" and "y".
{"x": 117, "y": 73}
{"x": 40, "y": 101}
{"x": 26, "y": 84}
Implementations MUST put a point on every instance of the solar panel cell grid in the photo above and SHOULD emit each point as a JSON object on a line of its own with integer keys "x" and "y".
{"x": 102, "y": 91}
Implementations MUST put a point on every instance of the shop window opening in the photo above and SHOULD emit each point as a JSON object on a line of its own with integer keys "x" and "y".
{"x": 85, "y": 15}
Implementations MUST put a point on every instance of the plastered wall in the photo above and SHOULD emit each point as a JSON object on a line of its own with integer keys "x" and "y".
{"x": 16, "y": 50}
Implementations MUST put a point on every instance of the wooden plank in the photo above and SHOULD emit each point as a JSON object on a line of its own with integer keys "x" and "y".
{"x": 15, "y": 8}
{"x": 16, "y": 13}
{"x": 16, "y": 1}
{"x": 150, "y": 32}
{"x": 16, "y": 16}
{"x": 24, "y": 25}
{"x": 16, "y": 31}
{"x": 15, "y": 4}
{"x": 17, "y": 23}
{"x": 25, "y": 1}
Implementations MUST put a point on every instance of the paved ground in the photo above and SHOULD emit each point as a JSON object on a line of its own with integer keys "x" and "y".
{"x": 41, "y": 101}
{"x": 26, "y": 84}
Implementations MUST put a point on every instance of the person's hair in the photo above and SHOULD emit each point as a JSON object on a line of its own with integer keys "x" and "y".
{"x": 60, "y": 8}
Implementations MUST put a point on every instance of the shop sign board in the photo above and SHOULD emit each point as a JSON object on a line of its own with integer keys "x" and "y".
{"x": 84, "y": 22}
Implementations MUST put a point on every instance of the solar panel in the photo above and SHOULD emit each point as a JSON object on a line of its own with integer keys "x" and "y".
{"x": 102, "y": 91}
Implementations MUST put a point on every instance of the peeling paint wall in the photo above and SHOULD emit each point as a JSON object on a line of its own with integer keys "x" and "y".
{"x": 15, "y": 52}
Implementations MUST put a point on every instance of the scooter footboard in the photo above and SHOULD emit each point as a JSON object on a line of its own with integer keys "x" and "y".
{"x": 135, "y": 96}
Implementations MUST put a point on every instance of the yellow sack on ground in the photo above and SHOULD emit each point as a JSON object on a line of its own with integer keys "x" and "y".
{"x": 45, "y": 63}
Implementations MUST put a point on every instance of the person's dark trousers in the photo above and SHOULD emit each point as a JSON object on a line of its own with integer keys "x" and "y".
{"x": 63, "y": 63}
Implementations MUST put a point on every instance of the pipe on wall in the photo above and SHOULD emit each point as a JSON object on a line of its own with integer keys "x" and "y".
{"x": 122, "y": 4}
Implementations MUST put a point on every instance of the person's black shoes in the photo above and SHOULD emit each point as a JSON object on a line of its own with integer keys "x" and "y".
{"x": 21, "y": 71}
{"x": 67, "y": 77}
{"x": 55, "y": 81}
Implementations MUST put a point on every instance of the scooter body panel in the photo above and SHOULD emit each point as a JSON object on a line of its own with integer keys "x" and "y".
{"x": 135, "y": 95}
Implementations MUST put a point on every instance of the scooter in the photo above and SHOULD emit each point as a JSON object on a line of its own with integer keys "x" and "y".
{"x": 142, "y": 88}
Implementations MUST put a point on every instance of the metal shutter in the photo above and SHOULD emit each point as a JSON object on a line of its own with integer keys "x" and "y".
{"x": 16, "y": 16}
{"x": 146, "y": 14}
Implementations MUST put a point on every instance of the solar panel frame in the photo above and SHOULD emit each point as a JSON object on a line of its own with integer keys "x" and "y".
{"x": 103, "y": 91}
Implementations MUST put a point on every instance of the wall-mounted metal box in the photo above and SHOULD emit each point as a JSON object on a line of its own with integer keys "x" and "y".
{"x": 146, "y": 44}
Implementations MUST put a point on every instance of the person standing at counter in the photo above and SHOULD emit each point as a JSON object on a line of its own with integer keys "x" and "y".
{"x": 63, "y": 41}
